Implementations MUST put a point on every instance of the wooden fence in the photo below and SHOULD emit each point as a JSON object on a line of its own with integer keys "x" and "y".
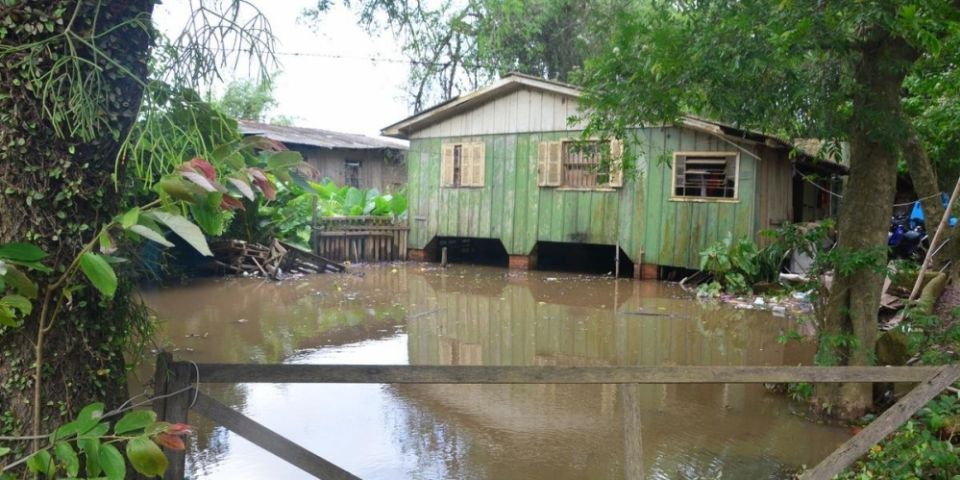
{"x": 360, "y": 239}
{"x": 172, "y": 376}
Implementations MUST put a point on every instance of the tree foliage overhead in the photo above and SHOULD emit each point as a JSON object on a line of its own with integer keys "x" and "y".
{"x": 785, "y": 67}
{"x": 455, "y": 47}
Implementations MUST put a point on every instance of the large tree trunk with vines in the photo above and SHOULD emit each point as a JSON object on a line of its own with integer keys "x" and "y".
{"x": 850, "y": 324}
{"x": 57, "y": 187}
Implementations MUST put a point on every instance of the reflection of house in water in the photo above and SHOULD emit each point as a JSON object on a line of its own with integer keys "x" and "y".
{"x": 531, "y": 427}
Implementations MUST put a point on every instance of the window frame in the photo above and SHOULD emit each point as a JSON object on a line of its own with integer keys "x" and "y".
{"x": 459, "y": 151}
{"x": 615, "y": 176}
{"x": 348, "y": 165}
{"x": 708, "y": 154}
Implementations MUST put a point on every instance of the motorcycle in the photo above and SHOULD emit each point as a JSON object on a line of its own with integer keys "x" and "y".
{"x": 907, "y": 238}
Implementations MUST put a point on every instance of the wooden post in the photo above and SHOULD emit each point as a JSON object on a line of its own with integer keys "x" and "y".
{"x": 443, "y": 257}
{"x": 170, "y": 377}
{"x": 934, "y": 243}
{"x": 632, "y": 432}
{"x": 313, "y": 227}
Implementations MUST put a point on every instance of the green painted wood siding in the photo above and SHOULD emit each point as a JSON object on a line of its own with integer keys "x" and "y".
{"x": 511, "y": 206}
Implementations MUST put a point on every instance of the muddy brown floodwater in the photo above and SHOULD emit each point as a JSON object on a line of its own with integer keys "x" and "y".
{"x": 421, "y": 315}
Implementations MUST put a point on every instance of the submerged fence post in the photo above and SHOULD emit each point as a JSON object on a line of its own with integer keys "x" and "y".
{"x": 632, "y": 432}
{"x": 443, "y": 257}
{"x": 172, "y": 396}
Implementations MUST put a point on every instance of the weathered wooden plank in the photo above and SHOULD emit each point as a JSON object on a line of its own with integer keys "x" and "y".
{"x": 522, "y": 199}
{"x": 269, "y": 440}
{"x": 884, "y": 425}
{"x": 632, "y": 432}
{"x": 497, "y": 189}
{"x": 170, "y": 377}
{"x": 247, "y": 373}
{"x": 533, "y": 193}
{"x": 509, "y": 194}
{"x": 432, "y": 183}
{"x": 485, "y": 200}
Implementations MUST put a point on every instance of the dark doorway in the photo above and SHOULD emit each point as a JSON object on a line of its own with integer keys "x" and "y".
{"x": 475, "y": 251}
{"x": 582, "y": 258}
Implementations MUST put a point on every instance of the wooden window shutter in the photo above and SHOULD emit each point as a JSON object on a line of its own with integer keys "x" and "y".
{"x": 555, "y": 164}
{"x": 479, "y": 164}
{"x": 616, "y": 163}
{"x": 446, "y": 165}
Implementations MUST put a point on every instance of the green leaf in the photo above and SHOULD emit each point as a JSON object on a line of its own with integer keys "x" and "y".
{"x": 100, "y": 273}
{"x": 89, "y": 417}
{"x": 281, "y": 161}
{"x": 4, "y": 451}
{"x": 22, "y": 252}
{"x": 41, "y": 462}
{"x": 17, "y": 302}
{"x": 149, "y": 234}
{"x": 130, "y": 218}
{"x": 91, "y": 453}
{"x": 8, "y": 319}
{"x": 134, "y": 420}
{"x": 112, "y": 463}
{"x": 185, "y": 229}
{"x": 106, "y": 243}
{"x": 20, "y": 282}
{"x": 208, "y": 214}
{"x": 68, "y": 458}
{"x": 146, "y": 457}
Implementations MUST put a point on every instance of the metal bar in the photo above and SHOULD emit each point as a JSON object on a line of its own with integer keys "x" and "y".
{"x": 245, "y": 373}
{"x": 269, "y": 440}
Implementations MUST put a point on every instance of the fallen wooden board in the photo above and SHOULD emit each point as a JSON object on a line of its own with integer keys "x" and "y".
{"x": 884, "y": 425}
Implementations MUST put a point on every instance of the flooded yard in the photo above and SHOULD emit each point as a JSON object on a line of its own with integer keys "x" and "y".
{"x": 419, "y": 314}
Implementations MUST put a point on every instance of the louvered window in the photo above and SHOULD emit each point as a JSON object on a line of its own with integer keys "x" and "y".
{"x": 705, "y": 175}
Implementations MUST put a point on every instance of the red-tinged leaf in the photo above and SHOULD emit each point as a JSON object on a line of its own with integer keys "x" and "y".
{"x": 268, "y": 189}
{"x": 167, "y": 440}
{"x": 243, "y": 187}
{"x": 230, "y": 203}
{"x": 199, "y": 180}
{"x": 204, "y": 167}
{"x": 257, "y": 174}
{"x": 179, "y": 429}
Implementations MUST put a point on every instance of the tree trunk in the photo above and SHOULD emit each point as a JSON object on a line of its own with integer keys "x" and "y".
{"x": 56, "y": 188}
{"x": 850, "y": 322}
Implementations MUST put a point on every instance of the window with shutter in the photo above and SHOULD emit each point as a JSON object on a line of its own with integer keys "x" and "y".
{"x": 462, "y": 165}
{"x": 479, "y": 164}
{"x": 705, "y": 175}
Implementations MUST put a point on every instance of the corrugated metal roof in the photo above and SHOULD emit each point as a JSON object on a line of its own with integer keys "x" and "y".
{"x": 316, "y": 137}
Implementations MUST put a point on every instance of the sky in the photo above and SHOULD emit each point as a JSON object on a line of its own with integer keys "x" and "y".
{"x": 328, "y": 79}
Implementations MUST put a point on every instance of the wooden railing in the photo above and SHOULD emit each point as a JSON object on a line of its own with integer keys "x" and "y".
{"x": 172, "y": 376}
{"x": 360, "y": 239}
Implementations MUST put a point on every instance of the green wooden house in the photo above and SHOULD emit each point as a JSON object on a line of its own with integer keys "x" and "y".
{"x": 503, "y": 163}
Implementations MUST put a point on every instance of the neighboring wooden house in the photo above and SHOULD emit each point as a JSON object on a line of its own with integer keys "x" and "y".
{"x": 502, "y": 163}
{"x": 346, "y": 158}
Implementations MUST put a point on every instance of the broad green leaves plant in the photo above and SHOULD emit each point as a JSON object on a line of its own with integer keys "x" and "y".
{"x": 87, "y": 445}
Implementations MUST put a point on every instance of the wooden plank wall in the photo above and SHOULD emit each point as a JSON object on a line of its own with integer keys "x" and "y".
{"x": 360, "y": 239}
{"x": 512, "y": 208}
{"x": 679, "y": 230}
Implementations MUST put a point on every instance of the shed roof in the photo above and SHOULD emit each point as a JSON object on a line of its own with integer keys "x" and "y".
{"x": 316, "y": 137}
{"x": 516, "y": 81}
